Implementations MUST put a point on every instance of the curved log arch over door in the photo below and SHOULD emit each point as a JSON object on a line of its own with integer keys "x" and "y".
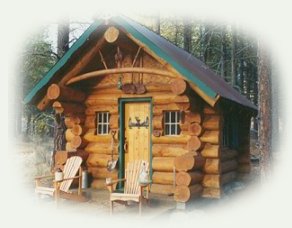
{"x": 98, "y": 73}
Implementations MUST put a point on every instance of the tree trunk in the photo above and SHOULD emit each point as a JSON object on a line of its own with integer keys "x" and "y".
{"x": 63, "y": 38}
{"x": 264, "y": 109}
{"x": 233, "y": 57}
{"x": 187, "y": 35}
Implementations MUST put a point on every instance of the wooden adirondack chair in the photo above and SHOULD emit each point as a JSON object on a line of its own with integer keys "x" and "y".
{"x": 60, "y": 188}
{"x": 133, "y": 190}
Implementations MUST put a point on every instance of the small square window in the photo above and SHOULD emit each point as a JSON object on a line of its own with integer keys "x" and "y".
{"x": 102, "y": 123}
{"x": 172, "y": 122}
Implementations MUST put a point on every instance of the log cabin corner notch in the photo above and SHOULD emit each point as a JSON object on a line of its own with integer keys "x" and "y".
{"x": 166, "y": 106}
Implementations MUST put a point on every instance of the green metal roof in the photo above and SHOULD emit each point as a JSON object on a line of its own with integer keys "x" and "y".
{"x": 187, "y": 65}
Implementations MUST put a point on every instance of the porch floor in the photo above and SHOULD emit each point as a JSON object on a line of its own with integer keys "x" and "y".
{"x": 159, "y": 206}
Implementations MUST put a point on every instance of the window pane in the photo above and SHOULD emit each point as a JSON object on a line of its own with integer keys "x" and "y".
{"x": 104, "y": 129}
{"x": 166, "y": 117}
{"x": 172, "y": 117}
{"x": 166, "y": 129}
{"x": 99, "y": 129}
{"x": 172, "y": 129}
{"x": 99, "y": 115}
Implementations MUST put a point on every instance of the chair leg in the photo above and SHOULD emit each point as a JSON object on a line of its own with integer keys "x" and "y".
{"x": 111, "y": 207}
{"x": 140, "y": 206}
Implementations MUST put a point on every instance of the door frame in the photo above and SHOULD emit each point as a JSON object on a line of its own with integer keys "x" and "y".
{"x": 122, "y": 102}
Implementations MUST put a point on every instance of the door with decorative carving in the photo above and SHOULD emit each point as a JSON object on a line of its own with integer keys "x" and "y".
{"x": 137, "y": 131}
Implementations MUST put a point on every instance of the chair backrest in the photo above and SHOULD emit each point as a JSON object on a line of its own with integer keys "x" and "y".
{"x": 132, "y": 174}
{"x": 70, "y": 170}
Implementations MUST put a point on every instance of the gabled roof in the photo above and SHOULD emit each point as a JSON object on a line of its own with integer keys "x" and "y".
{"x": 183, "y": 62}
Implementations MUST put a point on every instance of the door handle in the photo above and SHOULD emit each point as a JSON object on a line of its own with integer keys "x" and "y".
{"x": 125, "y": 146}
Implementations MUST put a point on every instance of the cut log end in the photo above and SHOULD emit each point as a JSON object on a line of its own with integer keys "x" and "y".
{"x": 111, "y": 34}
{"x": 53, "y": 92}
{"x": 178, "y": 86}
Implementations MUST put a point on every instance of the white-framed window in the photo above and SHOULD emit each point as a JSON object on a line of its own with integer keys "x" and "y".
{"x": 172, "y": 122}
{"x": 102, "y": 123}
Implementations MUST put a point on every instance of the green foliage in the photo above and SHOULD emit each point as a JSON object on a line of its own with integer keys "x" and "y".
{"x": 38, "y": 58}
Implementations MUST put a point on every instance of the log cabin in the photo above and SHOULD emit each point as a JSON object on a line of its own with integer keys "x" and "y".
{"x": 126, "y": 93}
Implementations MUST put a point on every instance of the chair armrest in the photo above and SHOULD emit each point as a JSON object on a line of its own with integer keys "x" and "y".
{"x": 115, "y": 181}
{"x": 65, "y": 179}
{"x": 44, "y": 177}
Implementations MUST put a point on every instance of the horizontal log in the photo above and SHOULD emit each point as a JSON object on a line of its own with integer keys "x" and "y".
{"x": 193, "y": 117}
{"x": 157, "y": 122}
{"x": 211, "y": 181}
{"x": 188, "y": 162}
{"x": 177, "y": 139}
{"x": 101, "y": 148}
{"x": 90, "y": 122}
{"x": 195, "y": 129}
{"x": 99, "y": 160}
{"x": 185, "y": 193}
{"x": 114, "y": 122}
{"x": 98, "y": 184}
{"x": 212, "y": 166}
{"x": 227, "y": 154}
{"x": 158, "y": 87}
{"x": 163, "y": 177}
{"x": 211, "y": 122}
{"x": 184, "y": 127}
{"x": 211, "y": 193}
{"x": 165, "y": 150}
{"x": 70, "y": 121}
{"x": 90, "y": 136}
{"x": 63, "y": 93}
{"x": 178, "y": 86}
{"x": 228, "y": 177}
{"x": 210, "y": 151}
{"x": 209, "y": 110}
{"x": 188, "y": 178}
{"x": 244, "y": 158}
{"x": 168, "y": 98}
{"x": 101, "y": 102}
{"x": 92, "y": 110}
{"x": 68, "y": 108}
{"x": 210, "y": 137}
{"x": 194, "y": 143}
{"x": 164, "y": 164}
{"x": 62, "y": 156}
{"x": 158, "y": 109}
{"x": 228, "y": 165}
{"x": 102, "y": 173}
{"x": 162, "y": 189}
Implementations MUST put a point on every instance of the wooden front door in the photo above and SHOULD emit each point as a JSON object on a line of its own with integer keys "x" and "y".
{"x": 137, "y": 131}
